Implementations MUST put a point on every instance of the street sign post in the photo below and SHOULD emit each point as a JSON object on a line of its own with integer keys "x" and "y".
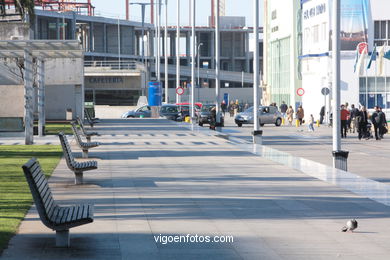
{"x": 300, "y": 92}
{"x": 325, "y": 91}
{"x": 180, "y": 91}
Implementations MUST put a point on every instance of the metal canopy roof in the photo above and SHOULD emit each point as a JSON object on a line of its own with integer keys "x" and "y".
{"x": 44, "y": 49}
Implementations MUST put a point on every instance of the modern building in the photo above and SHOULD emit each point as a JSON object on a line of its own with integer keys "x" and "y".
{"x": 282, "y": 46}
{"x": 361, "y": 21}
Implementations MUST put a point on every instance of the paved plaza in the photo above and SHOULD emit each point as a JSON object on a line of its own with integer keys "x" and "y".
{"x": 157, "y": 178}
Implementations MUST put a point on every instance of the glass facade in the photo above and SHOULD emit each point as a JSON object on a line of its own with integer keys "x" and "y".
{"x": 113, "y": 97}
{"x": 374, "y": 91}
{"x": 280, "y": 71}
{"x": 382, "y": 33}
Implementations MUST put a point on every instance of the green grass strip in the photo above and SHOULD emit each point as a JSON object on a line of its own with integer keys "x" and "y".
{"x": 54, "y": 129}
{"x": 15, "y": 195}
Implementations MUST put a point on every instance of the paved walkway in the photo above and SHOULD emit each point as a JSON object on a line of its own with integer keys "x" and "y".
{"x": 367, "y": 158}
{"x": 159, "y": 178}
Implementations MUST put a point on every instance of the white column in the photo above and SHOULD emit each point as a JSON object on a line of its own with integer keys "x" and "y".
{"x": 217, "y": 58}
{"x": 336, "y": 75}
{"x": 41, "y": 97}
{"x": 178, "y": 49}
{"x": 193, "y": 61}
{"x": 166, "y": 85}
{"x": 28, "y": 93}
{"x": 256, "y": 71}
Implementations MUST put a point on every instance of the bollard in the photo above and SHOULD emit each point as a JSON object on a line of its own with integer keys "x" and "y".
{"x": 282, "y": 120}
{"x": 340, "y": 160}
{"x": 297, "y": 123}
{"x": 257, "y": 137}
{"x": 318, "y": 123}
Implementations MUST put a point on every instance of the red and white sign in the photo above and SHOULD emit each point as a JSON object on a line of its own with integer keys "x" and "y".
{"x": 180, "y": 91}
{"x": 362, "y": 47}
{"x": 300, "y": 92}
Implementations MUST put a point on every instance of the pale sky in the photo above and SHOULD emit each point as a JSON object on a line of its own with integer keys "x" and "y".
{"x": 116, "y": 8}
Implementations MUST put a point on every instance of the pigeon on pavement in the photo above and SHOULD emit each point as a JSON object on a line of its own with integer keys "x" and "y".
{"x": 351, "y": 225}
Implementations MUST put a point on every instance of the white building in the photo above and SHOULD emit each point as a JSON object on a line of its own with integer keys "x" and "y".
{"x": 361, "y": 21}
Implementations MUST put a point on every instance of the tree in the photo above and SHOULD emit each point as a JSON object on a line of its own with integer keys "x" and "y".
{"x": 22, "y": 7}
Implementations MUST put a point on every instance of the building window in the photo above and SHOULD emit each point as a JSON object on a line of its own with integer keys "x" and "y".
{"x": 323, "y": 31}
{"x": 381, "y": 32}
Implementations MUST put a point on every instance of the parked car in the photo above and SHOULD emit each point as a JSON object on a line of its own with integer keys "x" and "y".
{"x": 171, "y": 112}
{"x": 185, "y": 111}
{"x": 197, "y": 105}
{"x": 267, "y": 115}
{"x": 144, "y": 111}
{"x": 205, "y": 115}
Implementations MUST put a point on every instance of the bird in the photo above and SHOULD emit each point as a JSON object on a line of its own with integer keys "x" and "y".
{"x": 351, "y": 225}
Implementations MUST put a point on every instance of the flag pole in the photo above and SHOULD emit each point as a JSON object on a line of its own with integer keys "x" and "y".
{"x": 385, "y": 76}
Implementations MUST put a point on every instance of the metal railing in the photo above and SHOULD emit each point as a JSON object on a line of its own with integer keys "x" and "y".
{"x": 115, "y": 65}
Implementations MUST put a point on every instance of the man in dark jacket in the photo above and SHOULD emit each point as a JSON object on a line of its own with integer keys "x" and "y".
{"x": 322, "y": 114}
{"x": 376, "y": 121}
{"x": 382, "y": 123}
{"x": 362, "y": 121}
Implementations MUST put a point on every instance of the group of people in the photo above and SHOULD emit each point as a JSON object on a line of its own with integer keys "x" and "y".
{"x": 233, "y": 107}
{"x": 355, "y": 119}
{"x": 288, "y": 111}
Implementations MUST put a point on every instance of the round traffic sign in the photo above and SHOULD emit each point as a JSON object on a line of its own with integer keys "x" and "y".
{"x": 180, "y": 91}
{"x": 362, "y": 47}
{"x": 325, "y": 91}
{"x": 300, "y": 92}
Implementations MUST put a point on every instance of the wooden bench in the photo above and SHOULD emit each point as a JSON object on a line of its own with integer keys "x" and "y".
{"x": 85, "y": 132}
{"x": 90, "y": 120}
{"x": 77, "y": 167}
{"x": 54, "y": 216}
{"x": 84, "y": 146}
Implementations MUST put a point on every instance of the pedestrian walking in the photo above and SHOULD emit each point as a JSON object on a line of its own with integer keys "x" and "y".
{"x": 223, "y": 107}
{"x": 231, "y": 108}
{"x": 322, "y": 114}
{"x": 283, "y": 109}
{"x": 376, "y": 121}
{"x": 311, "y": 123}
{"x": 300, "y": 114}
{"x": 344, "y": 115}
{"x": 353, "y": 123}
{"x": 290, "y": 115}
{"x": 382, "y": 124}
{"x": 362, "y": 122}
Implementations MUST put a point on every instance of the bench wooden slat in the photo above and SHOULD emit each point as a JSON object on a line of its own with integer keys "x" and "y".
{"x": 86, "y": 211}
{"x": 80, "y": 213}
{"x": 59, "y": 216}
{"x": 70, "y": 214}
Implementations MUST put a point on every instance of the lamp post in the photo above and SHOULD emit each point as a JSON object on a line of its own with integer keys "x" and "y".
{"x": 217, "y": 60}
{"x": 256, "y": 73}
{"x": 198, "y": 54}
{"x": 192, "y": 114}
{"x": 178, "y": 49}
{"x": 166, "y": 81}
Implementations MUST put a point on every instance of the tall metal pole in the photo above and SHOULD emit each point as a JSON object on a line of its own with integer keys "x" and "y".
{"x": 256, "y": 71}
{"x": 28, "y": 93}
{"x": 178, "y": 49}
{"x": 119, "y": 45}
{"x": 158, "y": 40}
{"x": 198, "y": 55}
{"x": 166, "y": 85}
{"x": 193, "y": 61}
{"x": 336, "y": 77}
{"x": 217, "y": 59}
{"x": 41, "y": 97}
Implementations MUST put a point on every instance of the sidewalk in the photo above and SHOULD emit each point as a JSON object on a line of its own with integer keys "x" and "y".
{"x": 156, "y": 177}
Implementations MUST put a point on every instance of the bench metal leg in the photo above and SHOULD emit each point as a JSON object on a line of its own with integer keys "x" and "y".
{"x": 88, "y": 139}
{"x": 62, "y": 238}
{"x": 85, "y": 153}
{"x": 78, "y": 177}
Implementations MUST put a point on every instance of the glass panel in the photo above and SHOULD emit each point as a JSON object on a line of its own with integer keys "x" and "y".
{"x": 362, "y": 99}
{"x": 376, "y": 30}
{"x": 383, "y": 30}
{"x": 88, "y": 96}
{"x": 371, "y": 100}
{"x": 117, "y": 97}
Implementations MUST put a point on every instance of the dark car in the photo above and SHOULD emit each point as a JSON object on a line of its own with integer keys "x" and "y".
{"x": 170, "y": 112}
{"x": 205, "y": 115}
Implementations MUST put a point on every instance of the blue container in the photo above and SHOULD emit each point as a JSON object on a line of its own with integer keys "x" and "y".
{"x": 155, "y": 94}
